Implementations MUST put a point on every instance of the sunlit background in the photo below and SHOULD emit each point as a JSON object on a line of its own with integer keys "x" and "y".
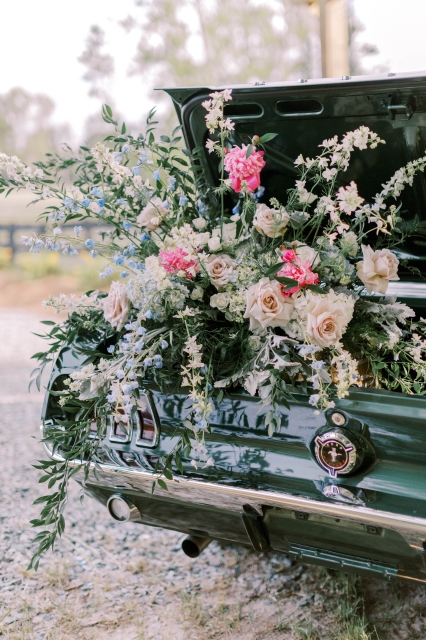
{"x": 61, "y": 62}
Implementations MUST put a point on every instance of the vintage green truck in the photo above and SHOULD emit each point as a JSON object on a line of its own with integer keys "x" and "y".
{"x": 345, "y": 488}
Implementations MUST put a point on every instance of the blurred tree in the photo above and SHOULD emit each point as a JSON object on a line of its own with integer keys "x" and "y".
{"x": 195, "y": 42}
{"x": 214, "y": 42}
{"x": 99, "y": 65}
{"x": 25, "y": 126}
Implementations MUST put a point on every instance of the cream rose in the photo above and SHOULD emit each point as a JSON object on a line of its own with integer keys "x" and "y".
{"x": 116, "y": 305}
{"x": 214, "y": 243}
{"x": 219, "y": 301}
{"x": 202, "y": 239}
{"x": 327, "y": 316}
{"x": 199, "y": 223}
{"x": 270, "y": 222}
{"x": 306, "y": 253}
{"x": 377, "y": 268}
{"x": 266, "y": 305}
{"x": 197, "y": 293}
{"x": 151, "y": 216}
{"x": 229, "y": 232}
{"x": 220, "y": 269}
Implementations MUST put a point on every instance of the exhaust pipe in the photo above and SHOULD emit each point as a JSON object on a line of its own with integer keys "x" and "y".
{"x": 122, "y": 509}
{"x": 193, "y": 546}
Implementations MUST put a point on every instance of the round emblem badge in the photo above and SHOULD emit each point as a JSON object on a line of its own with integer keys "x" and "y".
{"x": 335, "y": 453}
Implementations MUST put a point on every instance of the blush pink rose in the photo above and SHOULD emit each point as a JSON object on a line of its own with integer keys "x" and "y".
{"x": 377, "y": 268}
{"x": 116, "y": 306}
{"x": 241, "y": 168}
{"x": 266, "y": 306}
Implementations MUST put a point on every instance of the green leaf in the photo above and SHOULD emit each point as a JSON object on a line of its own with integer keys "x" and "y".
{"x": 315, "y": 288}
{"x": 162, "y": 484}
{"x": 288, "y": 283}
{"x": 167, "y": 474}
{"x": 123, "y": 128}
{"x": 178, "y": 462}
{"x": 165, "y": 138}
{"x": 220, "y": 396}
{"x": 267, "y": 137}
{"x": 274, "y": 269}
{"x": 249, "y": 151}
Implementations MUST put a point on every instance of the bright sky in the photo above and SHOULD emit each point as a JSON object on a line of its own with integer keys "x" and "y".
{"x": 41, "y": 41}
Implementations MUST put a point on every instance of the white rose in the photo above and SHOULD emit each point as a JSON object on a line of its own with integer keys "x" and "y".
{"x": 220, "y": 269}
{"x": 219, "y": 301}
{"x": 266, "y": 305}
{"x": 202, "y": 238}
{"x": 214, "y": 244}
{"x": 229, "y": 232}
{"x": 150, "y": 217}
{"x": 305, "y": 253}
{"x": 326, "y": 317}
{"x": 197, "y": 293}
{"x": 377, "y": 268}
{"x": 116, "y": 305}
{"x": 199, "y": 223}
{"x": 270, "y": 222}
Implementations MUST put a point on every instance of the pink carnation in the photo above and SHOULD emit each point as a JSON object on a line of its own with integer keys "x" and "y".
{"x": 241, "y": 168}
{"x": 297, "y": 270}
{"x": 178, "y": 259}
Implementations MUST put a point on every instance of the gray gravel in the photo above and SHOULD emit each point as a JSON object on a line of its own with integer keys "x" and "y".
{"x": 131, "y": 581}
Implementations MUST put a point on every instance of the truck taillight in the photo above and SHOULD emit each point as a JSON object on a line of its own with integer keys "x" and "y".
{"x": 146, "y": 425}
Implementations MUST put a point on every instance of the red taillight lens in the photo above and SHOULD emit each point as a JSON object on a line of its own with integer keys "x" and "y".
{"x": 147, "y": 425}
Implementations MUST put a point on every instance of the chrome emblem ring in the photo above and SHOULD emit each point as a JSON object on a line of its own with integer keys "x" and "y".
{"x": 335, "y": 453}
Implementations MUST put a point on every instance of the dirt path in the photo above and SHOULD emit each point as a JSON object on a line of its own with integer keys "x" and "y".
{"x": 129, "y": 581}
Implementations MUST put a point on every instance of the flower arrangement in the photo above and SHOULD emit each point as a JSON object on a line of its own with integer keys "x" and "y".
{"x": 270, "y": 296}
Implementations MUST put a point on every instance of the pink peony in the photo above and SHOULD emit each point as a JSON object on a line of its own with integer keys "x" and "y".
{"x": 177, "y": 259}
{"x": 241, "y": 168}
{"x": 296, "y": 269}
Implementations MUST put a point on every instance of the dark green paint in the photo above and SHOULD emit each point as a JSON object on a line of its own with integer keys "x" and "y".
{"x": 245, "y": 456}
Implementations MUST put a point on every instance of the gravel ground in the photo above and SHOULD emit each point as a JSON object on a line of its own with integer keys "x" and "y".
{"x": 130, "y": 581}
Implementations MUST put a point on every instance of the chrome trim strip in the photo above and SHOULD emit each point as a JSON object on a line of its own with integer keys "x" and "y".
{"x": 231, "y": 498}
{"x": 407, "y": 289}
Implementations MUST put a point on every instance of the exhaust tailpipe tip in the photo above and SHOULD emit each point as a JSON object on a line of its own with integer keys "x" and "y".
{"x": 193, "y": 546}
{"x": 121, "y": 509}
